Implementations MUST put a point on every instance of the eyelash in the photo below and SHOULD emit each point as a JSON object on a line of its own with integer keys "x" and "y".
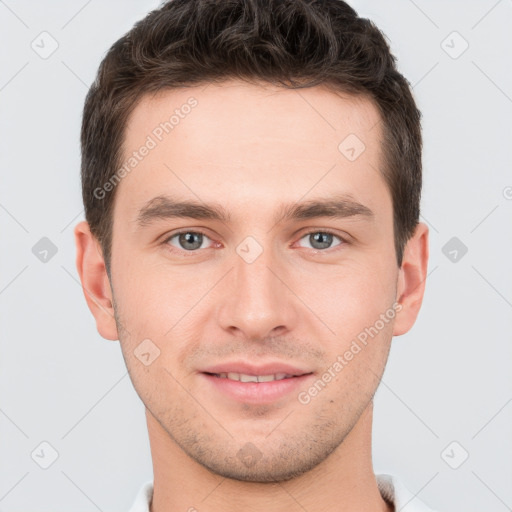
{"x": 316, "y": 251}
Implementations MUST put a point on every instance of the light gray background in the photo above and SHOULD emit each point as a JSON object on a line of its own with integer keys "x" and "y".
{"x": 447, "y": 380}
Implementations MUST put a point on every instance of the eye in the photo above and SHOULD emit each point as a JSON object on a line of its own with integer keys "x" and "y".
{"x": 321, "y": 240}
{"x": 187, "y": 240}
{"x": 191, "y": 241}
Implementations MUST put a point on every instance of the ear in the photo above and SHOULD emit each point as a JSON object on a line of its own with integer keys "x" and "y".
{"x": 95, "y": 282}
{"x": 411, "y": 279}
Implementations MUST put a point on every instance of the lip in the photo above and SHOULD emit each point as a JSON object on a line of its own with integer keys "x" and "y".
{"x": 257, "y": 392}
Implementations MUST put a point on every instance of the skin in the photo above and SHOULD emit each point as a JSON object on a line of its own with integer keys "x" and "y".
{"x": 252, "y": 148}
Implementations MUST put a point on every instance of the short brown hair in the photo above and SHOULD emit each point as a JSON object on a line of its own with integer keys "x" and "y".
{"x": 291, "y": 43}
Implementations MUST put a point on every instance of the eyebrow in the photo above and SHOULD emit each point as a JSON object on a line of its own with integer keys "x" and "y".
{"x": 166, "y": 207}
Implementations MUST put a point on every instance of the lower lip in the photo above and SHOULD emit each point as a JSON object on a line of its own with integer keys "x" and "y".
{"x": 257, "y": 392}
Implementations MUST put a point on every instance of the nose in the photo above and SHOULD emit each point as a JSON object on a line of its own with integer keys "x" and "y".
{"x": 257, "y": 302}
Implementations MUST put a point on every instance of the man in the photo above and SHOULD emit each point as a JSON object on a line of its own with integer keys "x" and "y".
{"x": 251, "y": 175}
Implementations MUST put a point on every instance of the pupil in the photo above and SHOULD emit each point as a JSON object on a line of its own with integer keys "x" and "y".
{"x": 323, "y": 239}
{"x": 188, "y": 238}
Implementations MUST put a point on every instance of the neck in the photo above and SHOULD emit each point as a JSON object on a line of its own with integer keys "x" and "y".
{"x": 343, "y": 482}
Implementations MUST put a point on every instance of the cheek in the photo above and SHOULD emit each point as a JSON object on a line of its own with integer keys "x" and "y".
{"x": 160, "y": 304}
{"x": 349, "y": 298}
{"x": 152, "y": 297}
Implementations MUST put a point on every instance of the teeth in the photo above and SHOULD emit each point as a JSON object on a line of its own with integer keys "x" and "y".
{"x": 242, "y": 377}
{"x": 246, "y": 378}
{"x": 266, "y": 378}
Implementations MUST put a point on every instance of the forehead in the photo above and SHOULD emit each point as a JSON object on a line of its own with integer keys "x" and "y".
{"x": 250, "y": 143}
{"x": 242, "y": 111}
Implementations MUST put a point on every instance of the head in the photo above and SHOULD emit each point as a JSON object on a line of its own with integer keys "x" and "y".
{"x": 288, "y": 126}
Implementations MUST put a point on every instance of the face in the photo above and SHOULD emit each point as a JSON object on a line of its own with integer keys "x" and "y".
{"x": 258, "y": 279}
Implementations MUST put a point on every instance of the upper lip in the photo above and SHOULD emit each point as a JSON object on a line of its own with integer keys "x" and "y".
{"x": 251, "y": 369}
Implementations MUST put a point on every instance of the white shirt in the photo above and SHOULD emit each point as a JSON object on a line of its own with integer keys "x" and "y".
{"x": 390, "y": 487}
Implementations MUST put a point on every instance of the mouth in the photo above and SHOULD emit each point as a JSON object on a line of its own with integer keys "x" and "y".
{"x": 250, "y": 388}
{"x": 244, "y": 377}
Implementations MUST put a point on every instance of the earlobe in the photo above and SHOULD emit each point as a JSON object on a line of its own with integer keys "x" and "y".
{"x": 411, "y": 279}
{"x": 94, "y": 278}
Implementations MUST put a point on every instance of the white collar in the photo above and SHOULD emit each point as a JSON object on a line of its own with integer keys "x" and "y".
{"x": 390, "y": 487}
